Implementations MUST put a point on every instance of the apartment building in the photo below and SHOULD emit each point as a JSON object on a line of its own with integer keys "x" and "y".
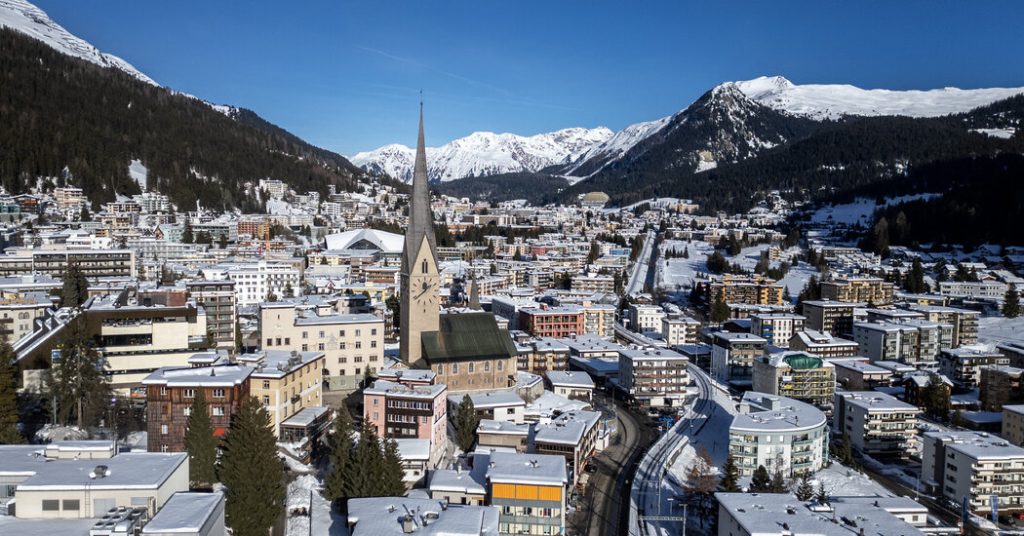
{"x": 598, "y": 319}
{"x": 963, "y": 365}
{"x": 542, "y": 355}
{"x": 1013, "y": 423}
{"x": 409, "y": 410}
{"x": 353, "y": 344}
{"x": 776, "y": 328}
{"x": 679, "y": 330}
{"x": 19, "y": 311}
{"x": 823, "y": 344}
{"x": 796, "y": 375}
{"x": 554, "y": 322}
{"x": 94, "y": 263}
{"x": 591, "y": 282}
{"x": 256, "y": 282}
{"x": 976, "y": 466}
{"x": 733, "y": 354}
{"x": 827, "y": 316}
{"x": 974, "y": 290}
{"x": 1000, "y": 385}
{"x": 964, "y": 322}
{"x": 875, "y": 423}
{"x": 858, "y": 374}
{"x": 69, "y": 198}
{"x": 218, "y": 299}
{"x": 505, "y": 436}
{"x": 644, "y": 318}
{"x": 778, "y": 433}
{"x": 529, "y": 490}
{"x": 756, "y": 290}
{"x": 572, "y": 384}
{"x": 872, "y": 290}
{"x": 286, "y": 382}
{"x": 573, "y": 435}
{"x": 170, "y": 393}
{"x": 891, "y": 342}
{"x": 654, "y": 377}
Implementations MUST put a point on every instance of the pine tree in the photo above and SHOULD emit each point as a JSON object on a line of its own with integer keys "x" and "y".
{"x": 186, "y": 234}
{"x": 1011, "y": 302}
{"x": 369, "y": 463}
{"x": 719, "y": 309}
{"x": 339, "y": 480}
{"x": 805, "y": 490}
{"x": 252, "y": 472}
{"x": 201, "y": 445}
{"x": 778, "y": 484}
{"x": 731, "y": 476}
{"x": 76, "y": 381}
{"x": 9, "y": 433}
{"x": 761, "y": 482}
{"x": 393, "y": 475}
{"x": 76, "y": 287}
{"x": 822, "y": 496}
{"x": 686, "y": 252}
{"x": 915, "y": 282}
{"x": 466, "y": 422}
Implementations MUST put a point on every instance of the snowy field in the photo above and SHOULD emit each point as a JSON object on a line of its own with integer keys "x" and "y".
{"x": 304, "y": 492}
{"x": 999, "y": 329}
{"x": 860, "y": 210}
{"x": 680, "y": 273}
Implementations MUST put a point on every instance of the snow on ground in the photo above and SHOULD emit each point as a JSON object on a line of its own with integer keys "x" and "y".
{"x": 713, "y": 436}
{"x": 137, "y": 441}
{"x": 304, "y": 492}
{"x": 1001, "y": 329}
{"x": 139, "y": 173}
{"x": 860, "y": 210}
{"x": 51, "y": 432}
{"x": 841, "y": 481}
{"x": 1004, "y": 133}
{"x": 797, "y": 277}
{"x": 679, "y": 271}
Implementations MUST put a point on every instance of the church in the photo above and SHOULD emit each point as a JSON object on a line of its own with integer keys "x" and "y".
{"x": 467, "y": 350}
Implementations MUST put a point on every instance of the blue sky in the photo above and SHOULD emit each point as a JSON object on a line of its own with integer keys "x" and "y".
{"x": 346, "y": 75}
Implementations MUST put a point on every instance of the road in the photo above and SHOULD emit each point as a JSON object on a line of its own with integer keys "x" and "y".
{"x": 638, "y": 274}
{"x": 605, "y": 500}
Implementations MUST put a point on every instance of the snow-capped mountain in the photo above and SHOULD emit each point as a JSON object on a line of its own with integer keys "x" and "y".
{"x": 30, "y": 20}
{"x": 485, "y": 153}
{"x": 614, "y": 147}
{"x": 831, "y": 101}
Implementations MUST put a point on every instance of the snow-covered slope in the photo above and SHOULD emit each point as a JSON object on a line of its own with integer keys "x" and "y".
{"x": 34, "y": 22}
{"x": 830, "y": 101}
{"x": 485, "y": 153}
{"x": 599, "y": 155}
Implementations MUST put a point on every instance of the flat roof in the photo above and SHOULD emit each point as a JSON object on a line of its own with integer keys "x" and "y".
{"x": 489, "y": 399}
{"x": 334, "y": 319}
{"x": 768, "y": 513}
{"x": 876, "y": 401}
{"x": 381, "y": 516}
{"x": 410, "y": 448}
{"x": 978, "y": 445}
{"x": 185, "y": 512}
{"x": 539, "y": 469}
{"x": 651, "y": 354}
{"x": 215, "y": 376}
{"x": 566, "y": 429}
{"x": 305, "y": 416}
{"x": 390, "y": 388}
{"x": 128, "y": 470}
{"x": 570, "y": 378}
{"x": 491, "y": 426}
{"x": 761, "y": 412}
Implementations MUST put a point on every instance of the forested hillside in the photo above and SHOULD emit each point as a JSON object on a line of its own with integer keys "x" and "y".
{"x": 73, "y": 121}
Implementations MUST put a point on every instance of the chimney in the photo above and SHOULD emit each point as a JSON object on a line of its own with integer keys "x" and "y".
{"x": 409, "y": 525}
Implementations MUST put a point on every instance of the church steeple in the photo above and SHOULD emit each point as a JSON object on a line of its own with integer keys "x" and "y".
{"x": 421, "y": 217}
{"x": 420, "y": 277}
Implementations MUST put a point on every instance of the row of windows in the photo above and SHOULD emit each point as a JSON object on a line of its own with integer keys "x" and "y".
{"x": 472, "y": 367}
{"x": 357, "y": 359}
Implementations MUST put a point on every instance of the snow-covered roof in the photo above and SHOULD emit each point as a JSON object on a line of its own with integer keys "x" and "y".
{"x": 570, "y": 378}
{"x": 876, "y": 401}
{"x": 461, "y": 479}
{"x": 978, "y": 445}
{"x": 765, "y": 513}
{"x": 540, "y": 469}
{"x": 491, "y": 426}
{"x": 389, "y": 388}
{"x": 761, "y": 412}
{"x": 381, "y": 240}
{"x": 216, "y": 376}
{"x": 489, "y": 399}
{"x": 185, "y": 512}
{"x": 567, "y": 429}
{"x": 305, "y": 416}
{"x": 413, "y": 449}
{"x": 381, "y": 516}
{"x": 129, "y": 470}
{"x": 548, "y": 403}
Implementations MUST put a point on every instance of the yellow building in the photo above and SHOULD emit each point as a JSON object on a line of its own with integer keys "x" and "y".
{"x": 870, "y": 290}
{"x": 285, "y": 382}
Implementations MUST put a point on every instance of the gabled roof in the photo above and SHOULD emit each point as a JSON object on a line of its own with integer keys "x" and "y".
{"x": 467, "y": 336}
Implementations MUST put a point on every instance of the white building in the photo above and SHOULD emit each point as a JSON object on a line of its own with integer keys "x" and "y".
{"x": 976, "y": 465}
{"x": 776, "y": 328}
{"x": 875, "y": 423}
{"x": 779, "y": 433}
{"x": 643, "y": 318}
{"x": 679, "y": 330}
{"x": 780, "y": 514}
{"x": 256, "y": 281}
{"x": 654, "y": 377}
{"x": 189, "y": 514}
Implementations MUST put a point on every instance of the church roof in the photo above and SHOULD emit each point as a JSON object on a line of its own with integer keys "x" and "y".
{"x": 421, "y": 216}
{"x": 467, "y": 336}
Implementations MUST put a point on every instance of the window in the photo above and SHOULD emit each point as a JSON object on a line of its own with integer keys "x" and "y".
{"x": 270, "y": 341}
{"x": 163, "y": 429}
{"x": 305, "y": 347}
{"x": 321, "y": 334}
{"x": 376, "y": 401}
{"x": 187, "y": 411}
{"x": 266, "y": 384}
{"x": 501, "y": 365}
{"x": 163, "y": 390}
{"x": 359, "y": 344}
{"x": 278, "y": 341}
{"x": 341, "y": 345}
{"x": 218, "y": 411}
{"x": 472, "y": 368}
{"x": 320, "y": 347}
{"x": 343, "y": 360}
{"x": 424, "y": 266}
{"x": 287, "y": 341}
{"x": 51, "y": 505}
{"x": 70, "y": 504}
{"x": 487, "y": 366}
{"x": 510, "y": 411}
{"x": 440, "y": 369}
{"x": 341, "y": 333}
{"x": 455, "y": 368}
{"x": 359, "y": 333}
{"x": 358, "y": 359}
{"x": 373, "y": 344}
{"x": 376, "y": 415}
{"x": 266, "y": 400}
{"x": 373, "y": 331}
{"x": 189, "y": 393}
{"x": 305, "y": 335}
{"x": 218, "y": 393}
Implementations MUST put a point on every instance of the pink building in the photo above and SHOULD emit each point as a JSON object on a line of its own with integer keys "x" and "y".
{"x": 409, "y": 410}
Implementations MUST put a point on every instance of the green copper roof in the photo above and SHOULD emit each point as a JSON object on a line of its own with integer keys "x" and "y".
{"x": 803, "y": 361}
{"x": 466, "y": 336}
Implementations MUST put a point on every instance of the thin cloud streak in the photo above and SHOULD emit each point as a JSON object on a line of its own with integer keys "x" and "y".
{"x": 449, "y": 74}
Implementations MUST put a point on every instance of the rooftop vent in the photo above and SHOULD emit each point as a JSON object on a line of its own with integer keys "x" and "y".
{"x": 100, "y": 471}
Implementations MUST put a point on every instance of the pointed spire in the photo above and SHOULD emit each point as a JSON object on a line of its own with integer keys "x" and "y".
{"x": 474, "y": 293}
{"x": 421, "y": 217}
